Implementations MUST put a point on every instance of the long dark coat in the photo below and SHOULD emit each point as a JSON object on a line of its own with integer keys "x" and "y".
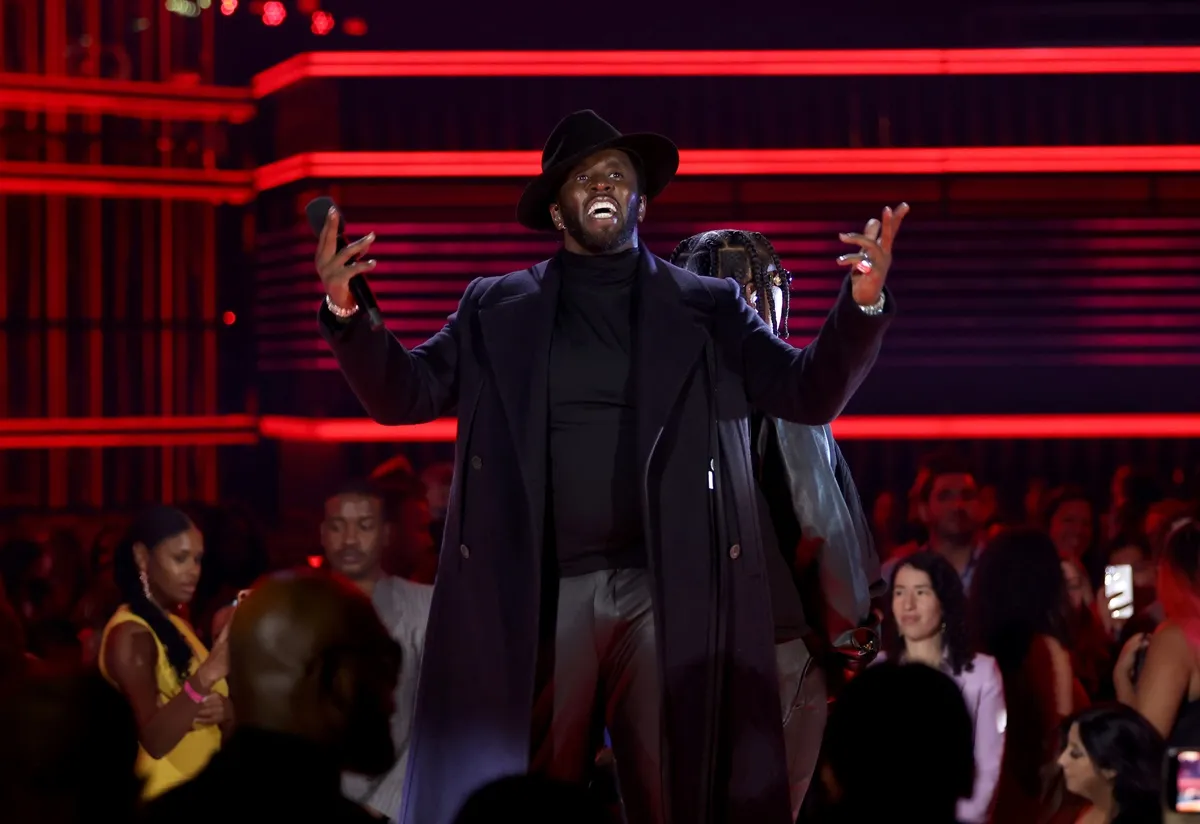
{"x": 724, "y": 758}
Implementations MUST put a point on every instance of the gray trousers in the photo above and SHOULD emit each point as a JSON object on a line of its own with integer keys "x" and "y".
{"x": 804, "y": 705}
{"x": 604, "y": 674}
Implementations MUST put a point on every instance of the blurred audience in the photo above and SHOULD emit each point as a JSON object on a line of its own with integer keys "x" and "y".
{"x": 313, "y": 674}
{"x": 67, "y": 752}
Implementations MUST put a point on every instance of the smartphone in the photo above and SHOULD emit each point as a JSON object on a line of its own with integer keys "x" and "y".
{"x": 1118, "y": 589}
{"x": 1181, "y": 790}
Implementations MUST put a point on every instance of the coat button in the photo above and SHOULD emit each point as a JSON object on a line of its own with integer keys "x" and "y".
{"x": 735, "y": 551}
{"x": 476, "y": 462}
{"x": 463, "y": 551}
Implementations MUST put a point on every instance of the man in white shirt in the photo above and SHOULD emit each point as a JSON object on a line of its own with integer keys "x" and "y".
{"x": 355, "y": 533}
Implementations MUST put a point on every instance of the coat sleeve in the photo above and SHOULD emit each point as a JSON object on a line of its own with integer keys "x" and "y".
{"x": 810, "y": 385}
{"x": 395, "y": 385}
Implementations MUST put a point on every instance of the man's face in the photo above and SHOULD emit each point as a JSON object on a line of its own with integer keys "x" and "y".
{"x": 952, "y": 509}
{"x": 599, "y": 206}
{"x": 353, "y": 535}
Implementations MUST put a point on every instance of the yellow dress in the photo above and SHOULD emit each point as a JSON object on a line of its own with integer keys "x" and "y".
{"x": 193, "y": 751}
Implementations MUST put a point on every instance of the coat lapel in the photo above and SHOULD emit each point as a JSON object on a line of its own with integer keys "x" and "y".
{"x": 517, "y": 330}
{"x": 671, "y": 338}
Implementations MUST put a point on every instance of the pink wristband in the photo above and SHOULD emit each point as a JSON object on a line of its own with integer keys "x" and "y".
{"x": 191, "y": 693}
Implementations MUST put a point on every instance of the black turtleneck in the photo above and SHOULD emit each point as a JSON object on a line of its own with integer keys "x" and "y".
{"x": 594, "y": 500}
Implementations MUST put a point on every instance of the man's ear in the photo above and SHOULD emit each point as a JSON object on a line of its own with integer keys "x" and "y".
{"x": 641, "y": 208}
{"x": 556, "y": 215}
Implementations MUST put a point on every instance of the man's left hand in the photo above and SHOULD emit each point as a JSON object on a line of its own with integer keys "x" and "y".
{"x": 871, "y": 264}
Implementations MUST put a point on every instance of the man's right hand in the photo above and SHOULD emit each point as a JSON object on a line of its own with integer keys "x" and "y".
{"x": 334, "y": 267}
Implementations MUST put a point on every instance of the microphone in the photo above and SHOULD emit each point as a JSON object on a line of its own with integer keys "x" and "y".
{"x": 317, "y": 211}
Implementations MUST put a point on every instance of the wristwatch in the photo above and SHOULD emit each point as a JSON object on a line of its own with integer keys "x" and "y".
{"x": 344, "y": 314}
{"x": 875, "y": 308}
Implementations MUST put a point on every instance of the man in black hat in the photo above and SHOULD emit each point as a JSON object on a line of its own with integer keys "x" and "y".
{"x": 602, "y": 564}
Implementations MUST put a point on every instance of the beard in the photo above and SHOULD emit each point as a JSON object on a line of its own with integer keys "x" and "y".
{"x": 599, "y": 240}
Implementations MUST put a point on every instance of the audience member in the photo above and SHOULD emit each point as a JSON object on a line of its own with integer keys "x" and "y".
{"x": 152, "y": 655}
{"x": 1018, "y": 608}
{"x": 1112, "y": 757}
{"x": 355, "y": 533}
{"x": 898, "y": 746}
{"x": 928, "y": 625}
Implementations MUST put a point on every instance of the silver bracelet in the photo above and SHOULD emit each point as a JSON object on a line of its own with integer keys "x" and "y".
{"x": 875, "y": 308}
{"x": 339, "y": 312}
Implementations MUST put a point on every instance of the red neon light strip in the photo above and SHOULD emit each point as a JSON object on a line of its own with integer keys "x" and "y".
{"x": 124, "y": 98}
{"x": 1135, "y": 60}
{"x": 223, "y": 430}
{"x": 98, "y": 180}
{"x": 881, "y": 427}
{"x": 720, "y": 162}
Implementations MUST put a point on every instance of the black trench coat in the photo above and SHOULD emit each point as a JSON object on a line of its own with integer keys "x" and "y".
{"x": 724, "y": 758}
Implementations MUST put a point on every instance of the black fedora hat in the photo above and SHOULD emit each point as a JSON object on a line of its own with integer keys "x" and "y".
{"x": 573, "y": 139}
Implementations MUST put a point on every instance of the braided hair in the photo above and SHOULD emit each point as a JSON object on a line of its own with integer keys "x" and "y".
{"x": 701, "y": 254}
{"x": 151, "y": 528}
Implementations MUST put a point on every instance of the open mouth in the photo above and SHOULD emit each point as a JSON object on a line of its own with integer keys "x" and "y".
{"x": 602, "y": 208}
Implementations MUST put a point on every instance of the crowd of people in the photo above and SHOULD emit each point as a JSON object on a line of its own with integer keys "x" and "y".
{"x": 1064, "y": 711}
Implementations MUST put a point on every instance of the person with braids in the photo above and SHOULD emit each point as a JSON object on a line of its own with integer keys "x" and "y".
{"x": 601, "y": 558}
{"x": 175, "y": 686}
{"x": 822, "y": 567}
{"x": 928, "y": 625}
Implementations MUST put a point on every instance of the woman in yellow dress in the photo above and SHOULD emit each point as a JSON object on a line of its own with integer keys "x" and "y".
{"x": 175, "y": 686}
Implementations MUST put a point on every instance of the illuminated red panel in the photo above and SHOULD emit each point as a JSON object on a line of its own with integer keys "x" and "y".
{"x": 719, "y": 162}
{"x": 883, "y": 427}
{"x": 354, "y": 26}
{"x": 89, "y": 180}
{"x": 144, "y": 431}
{"x": 124, "y": 98}
{"x": 1133, "y": 60}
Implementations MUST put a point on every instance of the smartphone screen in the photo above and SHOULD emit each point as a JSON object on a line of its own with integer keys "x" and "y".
{"x": 1118, "y": 589}
{"x": 1183, "y": 789}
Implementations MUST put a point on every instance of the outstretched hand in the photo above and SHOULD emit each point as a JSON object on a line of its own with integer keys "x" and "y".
{"x": 336, "y": 268}
{"x": 872, "y": 262}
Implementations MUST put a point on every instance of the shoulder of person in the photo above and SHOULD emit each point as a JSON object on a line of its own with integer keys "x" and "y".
{"x": 1170, "y": 635}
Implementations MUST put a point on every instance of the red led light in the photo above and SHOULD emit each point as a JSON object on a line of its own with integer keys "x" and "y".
{"x": 354, "y": 26}
{"x": 274, "y": 13}
{"x": 316, "y": 561}
{"x": 322, "y": 22}
{"x": 229, "y": 318}
{"x": 228, "y": 7}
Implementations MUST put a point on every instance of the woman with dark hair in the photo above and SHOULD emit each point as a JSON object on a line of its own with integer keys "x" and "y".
{"x": 928, "y": 625}
{"x": 1070, "y": 519}
{"x": 1167, "y": 689}
{"x": 1112, "y": 757}
{"x": 1018, "y": 609}
{"x": 176, "y": 688}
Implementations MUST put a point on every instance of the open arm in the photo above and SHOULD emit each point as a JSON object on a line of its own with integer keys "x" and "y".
{"x": 810, "y": 385}
{"x": 396, "y": 385}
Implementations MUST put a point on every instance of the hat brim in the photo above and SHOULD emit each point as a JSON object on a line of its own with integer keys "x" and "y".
{"x": 657, "y": 156}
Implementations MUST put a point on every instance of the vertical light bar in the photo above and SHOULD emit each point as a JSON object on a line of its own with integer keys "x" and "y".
{"x": 124, "y": 219}
{"x": 208, "y": 272}
{"x": 57, "y": 230}
{"x": 166, "y": 270}
{"x": 94, "y": 225}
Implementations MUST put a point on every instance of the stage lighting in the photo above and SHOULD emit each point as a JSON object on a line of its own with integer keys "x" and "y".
{"x": 274, "y": 13}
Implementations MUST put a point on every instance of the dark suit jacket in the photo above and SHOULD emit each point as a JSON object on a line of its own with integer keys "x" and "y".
{"x": 704, "y": 359}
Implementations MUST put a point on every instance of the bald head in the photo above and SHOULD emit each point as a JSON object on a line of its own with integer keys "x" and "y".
{"x": 309, "y": 656}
